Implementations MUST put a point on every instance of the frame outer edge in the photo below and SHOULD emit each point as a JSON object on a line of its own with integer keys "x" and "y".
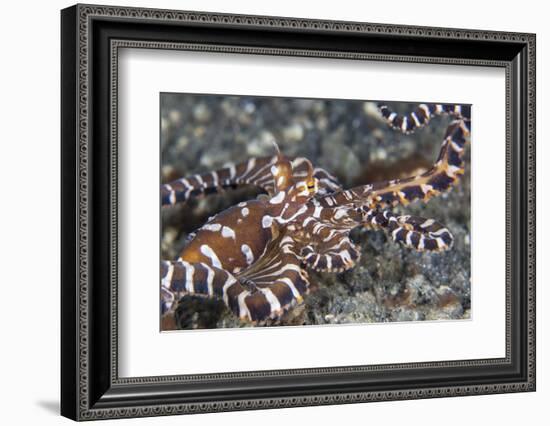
{"x": 531, "y": 213}
{"x": 69, "y": 190}
{"x": 80, "y": 340}
{"x": 83, "y": 176}
{"x": 286, "y": 22}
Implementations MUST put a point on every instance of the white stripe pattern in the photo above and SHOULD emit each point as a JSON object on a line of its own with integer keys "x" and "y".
{"x": 209, "y": 278}
{"x": 274, "y": 303}
{"x": 243, "y": 309}
{"x": 208, "y": 252}
{"x": 189, "y": 277}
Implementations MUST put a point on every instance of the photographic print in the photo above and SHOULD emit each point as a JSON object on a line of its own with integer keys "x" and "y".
{"x": 295, "y": 212}
{"x": 298, "y": 180}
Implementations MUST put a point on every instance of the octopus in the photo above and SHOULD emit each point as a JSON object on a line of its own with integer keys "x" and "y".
{"x": 255, "y": 256}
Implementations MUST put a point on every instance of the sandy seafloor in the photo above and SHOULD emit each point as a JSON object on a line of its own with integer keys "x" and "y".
{"x": 349, "y": 139}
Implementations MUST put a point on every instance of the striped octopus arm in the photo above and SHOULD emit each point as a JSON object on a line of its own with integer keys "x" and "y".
{"x": 179, "y": 278}
{"x": 254, "y": 295}
{"x": 255, "y": 171}
{"x": 442, "y": 176}
{"x": 412, "y": 231}
{"x": 420, "y": 117}
{"x": 335, "y": 255}
{"x": 323, "y": 234}
{"x": 277, "y": 283}
{"x": 327, "y": 182}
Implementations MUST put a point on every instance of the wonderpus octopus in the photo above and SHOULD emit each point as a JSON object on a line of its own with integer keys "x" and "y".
{"x": 255, "y": 256}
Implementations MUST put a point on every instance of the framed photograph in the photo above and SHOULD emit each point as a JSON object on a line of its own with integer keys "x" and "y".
{"x": 263, "y": 212}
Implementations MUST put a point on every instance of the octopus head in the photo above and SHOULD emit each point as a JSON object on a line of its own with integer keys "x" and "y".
{"x": 295, "y": 185}
{"x": 305, "y": 185}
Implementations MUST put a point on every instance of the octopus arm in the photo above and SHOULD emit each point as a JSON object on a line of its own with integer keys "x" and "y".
{"x": 442, "y": 176}
{"x": 277, "y": 282}
{"x": 421, "y": 115}
{"x": 327, "y": 182}
{"x": 255, "y": 171}
{"x": 412, "y": 231}
{"x": 336, "y": 255}
{"x": 264, "y": 291}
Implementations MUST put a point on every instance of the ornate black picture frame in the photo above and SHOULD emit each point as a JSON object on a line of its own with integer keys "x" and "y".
{"x": 91, "y": 387}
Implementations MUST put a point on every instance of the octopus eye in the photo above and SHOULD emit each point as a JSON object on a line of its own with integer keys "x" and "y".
{"x": 312, "y": 185}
